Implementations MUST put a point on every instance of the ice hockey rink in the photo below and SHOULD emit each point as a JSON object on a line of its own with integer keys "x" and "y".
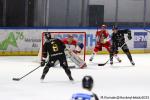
{"x": 121, "y": 79}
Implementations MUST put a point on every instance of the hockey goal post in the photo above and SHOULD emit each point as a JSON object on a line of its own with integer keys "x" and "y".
{"x": 79, "y": 36}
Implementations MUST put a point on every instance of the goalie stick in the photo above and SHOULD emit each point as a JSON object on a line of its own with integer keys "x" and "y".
{"x": 18, "y": 79}
{"x": 147, "y": 30}
{"x": 112, "y": 56}
{"x": 70, "y": 67}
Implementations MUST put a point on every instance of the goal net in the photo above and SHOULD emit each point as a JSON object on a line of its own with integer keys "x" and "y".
{"x": 78, "y": 36}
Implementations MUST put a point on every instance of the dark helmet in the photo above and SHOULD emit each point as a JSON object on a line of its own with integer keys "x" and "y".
{"x": 115, "y": 27}
{"x": 47, "y": 35}
{"x": 87, "y": 82}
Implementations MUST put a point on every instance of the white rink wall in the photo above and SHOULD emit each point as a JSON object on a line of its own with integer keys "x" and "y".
{"x": 28, "y": 41}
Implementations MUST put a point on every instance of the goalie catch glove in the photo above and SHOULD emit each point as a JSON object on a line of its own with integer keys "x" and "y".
{"x": 78, "y": 48}
{"x": 81, "y": 45}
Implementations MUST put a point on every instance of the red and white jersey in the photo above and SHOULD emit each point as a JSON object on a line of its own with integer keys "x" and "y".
{"x": 70, "y": 44}
{"x": 101, "y": 35}
{"x": 66, "y": 41}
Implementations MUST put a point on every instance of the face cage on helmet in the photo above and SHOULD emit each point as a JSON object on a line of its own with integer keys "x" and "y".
{"x": 48, "y": 36}
{"x": 103, "y": 27}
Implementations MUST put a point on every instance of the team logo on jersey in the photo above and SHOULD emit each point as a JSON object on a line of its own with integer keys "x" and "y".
{"x": 140, "y": 39}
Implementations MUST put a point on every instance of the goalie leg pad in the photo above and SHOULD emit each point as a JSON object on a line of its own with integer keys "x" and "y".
{"x": 76, "y": 59}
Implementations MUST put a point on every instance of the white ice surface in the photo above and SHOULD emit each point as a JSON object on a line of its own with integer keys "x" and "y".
{"x": 121, "y": 79}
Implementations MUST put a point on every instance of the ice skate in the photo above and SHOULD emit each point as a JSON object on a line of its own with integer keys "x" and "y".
{"x": 119, "y": 60}
{"x": 42, "y": 78}
{"x": 91, "y": 59}
{"x": 70, "y": 77}
{"x": 83, "y": 66}
{"x": 111, "y": 62}
{"x": 132, "y": 62}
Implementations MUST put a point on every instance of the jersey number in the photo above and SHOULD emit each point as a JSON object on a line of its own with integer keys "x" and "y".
{"x": 55, "y": 47}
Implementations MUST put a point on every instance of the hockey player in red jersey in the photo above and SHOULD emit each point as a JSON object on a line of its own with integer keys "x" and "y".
{"x": 73, "y": 44}
{"x": 102, "y": 40}
{"x": 74, "y": 47}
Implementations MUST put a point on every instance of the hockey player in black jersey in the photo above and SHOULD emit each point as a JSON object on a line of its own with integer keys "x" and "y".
{"x": 55, "y": 49}
{"x": 118, "y": 40}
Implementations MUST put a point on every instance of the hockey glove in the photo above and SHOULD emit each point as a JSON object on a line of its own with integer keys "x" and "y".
{"x": 42, "y": 63}
{"x": 129, "y": 37}
{"x": 104, "y": 41}
{"x": 81, "y": 45}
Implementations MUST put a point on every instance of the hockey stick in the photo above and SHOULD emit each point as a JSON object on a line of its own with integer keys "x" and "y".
{"x": 147, "y": 30}
{"x": 18, "y": 79}
{"x": 112, "y": 56}
{"x": 71, "y": 67}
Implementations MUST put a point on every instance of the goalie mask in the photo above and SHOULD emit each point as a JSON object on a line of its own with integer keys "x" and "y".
{"x": 103, "y": 27}
{"x": 48, "y": 35}
{"x": 70, "y": 38}
{"x": 87, "y": 82}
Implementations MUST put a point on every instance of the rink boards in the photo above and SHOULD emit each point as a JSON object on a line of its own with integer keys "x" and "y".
{"x": 28, "y": 41}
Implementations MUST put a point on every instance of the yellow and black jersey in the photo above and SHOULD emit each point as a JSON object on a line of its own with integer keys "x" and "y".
{"x": 54, "y": 47}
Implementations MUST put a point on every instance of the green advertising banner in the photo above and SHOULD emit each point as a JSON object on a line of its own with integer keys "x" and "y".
{"x": 18, "y": 42}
